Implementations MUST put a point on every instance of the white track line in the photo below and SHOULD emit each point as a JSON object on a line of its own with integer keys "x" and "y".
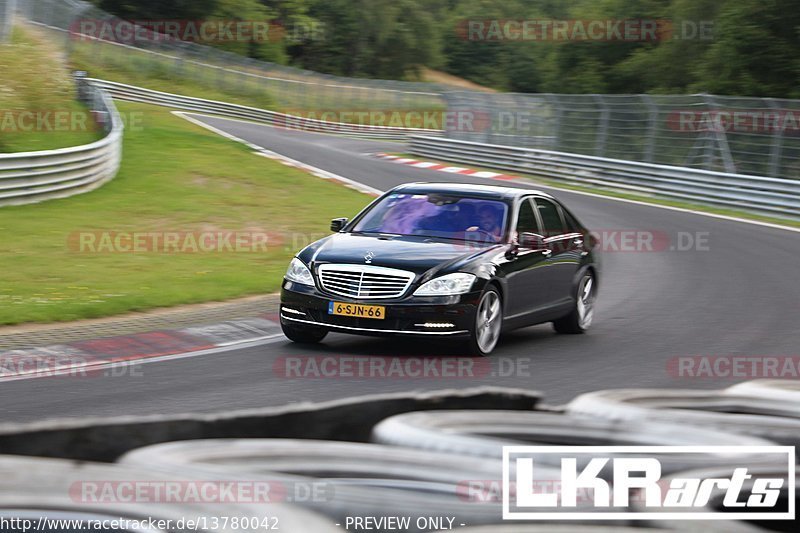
{"x": 260, "y": 150}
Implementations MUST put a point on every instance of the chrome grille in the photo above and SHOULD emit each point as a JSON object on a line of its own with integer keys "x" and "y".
{"x": 364, "y": 281}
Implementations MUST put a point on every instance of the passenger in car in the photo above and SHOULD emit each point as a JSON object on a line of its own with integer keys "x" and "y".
{"x": 448, "y": 220}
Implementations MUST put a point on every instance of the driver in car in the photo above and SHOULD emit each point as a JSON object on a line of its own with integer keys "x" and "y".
{"x": 488, "y": 221}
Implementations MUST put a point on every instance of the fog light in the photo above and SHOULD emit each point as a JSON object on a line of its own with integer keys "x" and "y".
{"x": 292, "y": 311}
{"x": 435, "y": 325}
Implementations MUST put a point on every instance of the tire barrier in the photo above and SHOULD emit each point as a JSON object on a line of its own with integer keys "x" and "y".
{"x": 357, "y": 479}
{"x": 56, "y": 489}
{"x": 773, "y": 420}
{"x": 768, "y": 389}
{"x": 106, "y": 439}
{"x": 448, "y": 466}
{"x": 484, "y": 433}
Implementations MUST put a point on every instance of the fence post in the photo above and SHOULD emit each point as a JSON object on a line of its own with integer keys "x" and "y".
{"x": 554, "y": 102}
{"x": 721, "y": 140}
{"x": 777, "y": 143}
{"x": 602, "y": 130}
{"x": 652, "y": 126}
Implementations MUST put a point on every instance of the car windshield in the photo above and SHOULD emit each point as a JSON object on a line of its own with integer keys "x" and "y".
{"x": 436, "y": 215}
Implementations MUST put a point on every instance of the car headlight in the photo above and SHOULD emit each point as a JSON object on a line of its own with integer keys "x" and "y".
{"x": 299, "y": 273}
{"x": 459, "y": 283}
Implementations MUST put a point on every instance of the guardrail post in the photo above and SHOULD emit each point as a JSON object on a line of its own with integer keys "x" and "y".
{"x": 81, "y": 85}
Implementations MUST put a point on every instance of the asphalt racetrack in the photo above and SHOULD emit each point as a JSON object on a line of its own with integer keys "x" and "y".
{"x": 737, "y": 294}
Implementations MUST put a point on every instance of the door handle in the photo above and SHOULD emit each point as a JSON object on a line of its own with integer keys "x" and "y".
{"x": 578, "y": 242}
{"x": 547, "y": 253}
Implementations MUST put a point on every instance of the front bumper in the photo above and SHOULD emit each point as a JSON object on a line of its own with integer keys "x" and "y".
{"x": 441, "y": 316}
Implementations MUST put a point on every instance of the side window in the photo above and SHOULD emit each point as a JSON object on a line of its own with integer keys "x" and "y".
{"x": 572, "y": 224}
{"x": 526, "y": 223}
{"x": 551, "y": 218}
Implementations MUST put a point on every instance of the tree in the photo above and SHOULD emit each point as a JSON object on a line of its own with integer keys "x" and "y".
{"x": 754, "y": 52}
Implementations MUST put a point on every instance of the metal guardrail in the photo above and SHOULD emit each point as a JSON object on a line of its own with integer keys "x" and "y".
{"x": 754, "y": 193}
{"x": 30, "y": 177}
{"x": 132, "y": 93}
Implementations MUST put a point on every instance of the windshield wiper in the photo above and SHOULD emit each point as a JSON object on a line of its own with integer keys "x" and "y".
{"x": 380, "y": 233}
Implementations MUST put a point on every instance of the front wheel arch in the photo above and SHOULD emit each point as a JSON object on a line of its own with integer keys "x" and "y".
{"x": 497, "y": 284}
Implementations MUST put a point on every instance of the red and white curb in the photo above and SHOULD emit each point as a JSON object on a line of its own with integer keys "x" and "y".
{"x": 429, "y": 165}
{"x": 91, "y": 357}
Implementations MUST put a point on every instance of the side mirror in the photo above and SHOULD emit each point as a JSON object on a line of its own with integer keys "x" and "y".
{"x": 337, "y": 224}
{"x": 531, "y": 241}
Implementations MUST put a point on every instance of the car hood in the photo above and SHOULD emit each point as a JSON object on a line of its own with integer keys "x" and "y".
{"x": 413, "y": 253}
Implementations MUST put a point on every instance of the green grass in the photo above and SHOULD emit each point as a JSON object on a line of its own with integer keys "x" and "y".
{"x": 627, "y": 196}
{"x": 23, "y": 88}
{"x": 175, "y": 177}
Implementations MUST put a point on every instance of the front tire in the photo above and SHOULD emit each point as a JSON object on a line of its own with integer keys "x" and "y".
{"x": 582, "y": 315}
{"x": 485, "y": 332}
{"x": 303, "y": 334}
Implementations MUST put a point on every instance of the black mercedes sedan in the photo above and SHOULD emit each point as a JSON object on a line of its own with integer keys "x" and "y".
{"x": 445, "y": 260}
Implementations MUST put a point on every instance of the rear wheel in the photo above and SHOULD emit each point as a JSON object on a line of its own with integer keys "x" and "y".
{"x": 488, "y": 323}
{"x": 303, "y": 334}
{"x": 582, "y": 315}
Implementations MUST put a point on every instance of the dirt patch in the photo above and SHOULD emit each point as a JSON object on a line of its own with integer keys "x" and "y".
{"x": 443, "y": 78}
